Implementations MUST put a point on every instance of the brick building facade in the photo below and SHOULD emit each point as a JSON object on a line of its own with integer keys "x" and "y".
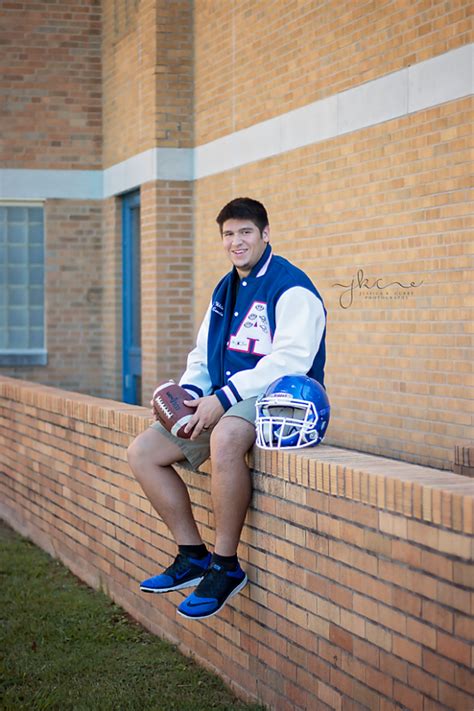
{"x": 352, "y": 122}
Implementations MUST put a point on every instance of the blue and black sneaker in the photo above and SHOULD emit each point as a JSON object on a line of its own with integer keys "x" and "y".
{"x": 216, "y": 588}
{"x": 183, "y": 573}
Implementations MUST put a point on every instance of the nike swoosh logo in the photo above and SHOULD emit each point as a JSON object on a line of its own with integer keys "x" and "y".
{"x": 198, "y": 604}
{"x": 181, "y": 575}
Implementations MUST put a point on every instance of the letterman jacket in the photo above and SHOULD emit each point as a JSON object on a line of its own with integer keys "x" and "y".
{"x": 277, "y": 326}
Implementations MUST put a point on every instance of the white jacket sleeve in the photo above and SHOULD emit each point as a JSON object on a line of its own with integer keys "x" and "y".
{"x": 196, "y": 378}
{"x": 300, "y": 324}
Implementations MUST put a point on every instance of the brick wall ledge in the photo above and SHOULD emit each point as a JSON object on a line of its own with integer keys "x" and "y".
{"x": 360, "y": 567}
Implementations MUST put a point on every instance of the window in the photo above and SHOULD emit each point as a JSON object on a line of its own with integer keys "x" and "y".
{"x": 22, "y": 332}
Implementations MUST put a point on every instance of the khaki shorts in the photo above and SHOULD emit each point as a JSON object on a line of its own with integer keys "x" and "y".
{"x": 198, "y": 450}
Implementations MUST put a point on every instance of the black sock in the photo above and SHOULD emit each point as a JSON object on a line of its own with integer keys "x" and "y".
{"x": 229, "y": 562}
{"x": 198, "y": 552}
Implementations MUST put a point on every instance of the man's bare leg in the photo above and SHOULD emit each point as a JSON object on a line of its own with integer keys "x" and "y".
{"x": 231, "y": 491}
{"x": 150, "y": 457}
{"x": 231, "y": 486}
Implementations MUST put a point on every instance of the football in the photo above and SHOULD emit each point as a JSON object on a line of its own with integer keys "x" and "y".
{"x": 170, "y": 409}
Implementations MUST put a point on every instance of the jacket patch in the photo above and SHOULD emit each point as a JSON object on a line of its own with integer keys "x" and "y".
{"x": 218, "y": 308}
{"x": 253, "y": 334}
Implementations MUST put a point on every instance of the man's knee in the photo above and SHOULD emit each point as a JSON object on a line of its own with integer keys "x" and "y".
{"x": 137, "y": 451}
{"x": 151, "y": 447}
{"x": 231, "y": 439}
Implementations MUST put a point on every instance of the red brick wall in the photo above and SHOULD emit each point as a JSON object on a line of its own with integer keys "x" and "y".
{"x": 256, "y": 60}
{"x": 51, "y": 118}
{"x": 361, "y": 577}
{"x": 167, "y": 280}
{"x": 393, "y": 201}
{"x": 147, "y": 88}
{"x": 174, "y": 121}
{"x": 464, "y": 460}
{"x": 51, "y": 108}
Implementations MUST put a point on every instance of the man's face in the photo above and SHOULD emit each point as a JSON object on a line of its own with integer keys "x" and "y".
{"x": 244, "y": 244}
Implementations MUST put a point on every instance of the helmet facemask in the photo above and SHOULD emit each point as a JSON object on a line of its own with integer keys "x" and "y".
{"x": 284, "y": 422}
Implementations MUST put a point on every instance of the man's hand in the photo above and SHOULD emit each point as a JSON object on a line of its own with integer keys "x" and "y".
{"x": 208, "y": 412}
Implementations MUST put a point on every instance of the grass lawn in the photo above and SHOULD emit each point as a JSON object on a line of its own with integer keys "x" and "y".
{"x": 65, "y": 646}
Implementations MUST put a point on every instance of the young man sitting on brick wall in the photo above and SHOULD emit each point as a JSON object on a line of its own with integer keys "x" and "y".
{"x": 266, "y": 319}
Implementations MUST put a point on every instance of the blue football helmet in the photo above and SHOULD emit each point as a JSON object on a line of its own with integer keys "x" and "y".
{"x": 293, "y": 412}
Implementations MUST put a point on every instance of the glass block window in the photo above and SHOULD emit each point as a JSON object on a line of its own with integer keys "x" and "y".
{"x": 22, "y": 329}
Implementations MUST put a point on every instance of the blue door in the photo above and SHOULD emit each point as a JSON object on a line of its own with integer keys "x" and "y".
{"x": 132, "y": 352}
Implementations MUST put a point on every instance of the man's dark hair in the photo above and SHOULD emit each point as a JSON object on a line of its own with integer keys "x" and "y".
{"x": 244, "y": 208}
